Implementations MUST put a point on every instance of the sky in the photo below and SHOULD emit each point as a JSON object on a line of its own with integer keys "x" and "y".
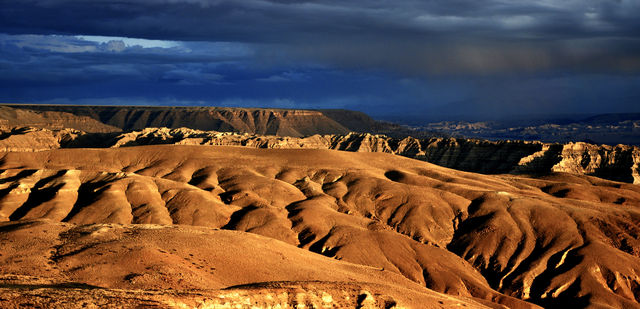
{"x": 420, "y": 59}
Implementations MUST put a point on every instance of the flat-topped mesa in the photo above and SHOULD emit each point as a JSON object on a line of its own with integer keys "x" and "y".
{"x": 282, "y": 122}
{"x": 266, "y": 121}
{"x": 13, "y": 117}
{"x": 620, "y": 163}
{"x": 295, "y": 112}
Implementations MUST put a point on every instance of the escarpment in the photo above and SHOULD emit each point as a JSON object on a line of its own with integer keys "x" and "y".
{"x": 54, "y": 120}
{"x": 281, "y": 122}
{"x": 619, "y": 162}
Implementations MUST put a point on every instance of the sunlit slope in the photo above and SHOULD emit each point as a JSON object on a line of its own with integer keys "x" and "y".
{"x": 553, "y": 241}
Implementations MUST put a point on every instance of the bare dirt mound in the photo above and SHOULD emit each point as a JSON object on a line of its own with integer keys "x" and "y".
{"x": 57, "y": 264}
{"x": 555, "y": 241}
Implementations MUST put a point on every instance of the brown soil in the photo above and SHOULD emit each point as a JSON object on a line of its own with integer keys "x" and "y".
{"x": 381, "y": 229}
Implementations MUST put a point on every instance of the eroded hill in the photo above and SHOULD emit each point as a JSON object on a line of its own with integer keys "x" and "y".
{"x": 619, "y": 163}
{"x": 555, "y": 240}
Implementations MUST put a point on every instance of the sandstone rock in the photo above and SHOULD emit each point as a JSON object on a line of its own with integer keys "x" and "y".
{"x": 620, "y": 163}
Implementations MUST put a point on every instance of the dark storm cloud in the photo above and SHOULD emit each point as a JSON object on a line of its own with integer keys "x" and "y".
{"x": 57, "y": 60}
{"x": 67, "y": 69}
{"x": 382, "y": 57}
{"x": 408, "y": 36}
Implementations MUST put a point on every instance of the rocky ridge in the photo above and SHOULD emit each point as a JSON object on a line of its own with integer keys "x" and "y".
{"x": 263, "y": 121}
{"x": 620, "y": 163}
{"x": 281, "y": 122}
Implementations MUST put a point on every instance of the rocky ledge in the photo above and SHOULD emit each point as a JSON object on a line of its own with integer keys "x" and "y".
{"x": 619, "y": 163}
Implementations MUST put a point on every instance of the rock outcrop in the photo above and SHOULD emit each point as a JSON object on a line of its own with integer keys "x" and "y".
{"x": 620, "y": 163}
{"x": 29, "y": 139}
{"x": 610, "y": 162}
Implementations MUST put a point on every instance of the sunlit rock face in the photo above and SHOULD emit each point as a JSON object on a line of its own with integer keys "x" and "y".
{"x": 618, "y": 163}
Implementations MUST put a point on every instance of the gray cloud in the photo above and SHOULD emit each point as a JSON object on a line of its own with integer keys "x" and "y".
{"x": 422, "y": 37}
{"x": 59, "y": 59}
{"x": 379, "y": 56}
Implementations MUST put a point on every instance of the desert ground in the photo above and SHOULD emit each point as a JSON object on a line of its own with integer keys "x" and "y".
{"x": 286, "y": 154}
{"x": 215, "y": 226}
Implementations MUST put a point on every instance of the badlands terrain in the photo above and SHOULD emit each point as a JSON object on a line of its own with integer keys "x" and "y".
{"x": 192, "y": 218}
{"x": 620, "y": 162}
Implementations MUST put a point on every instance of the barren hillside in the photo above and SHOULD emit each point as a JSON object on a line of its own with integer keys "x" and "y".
{"x": 403, "y": 226}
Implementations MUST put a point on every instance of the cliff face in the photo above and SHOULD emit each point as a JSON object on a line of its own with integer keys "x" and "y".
{"x": 279, "y": 122}
{"x": 27, "y": 139}
{"x": 619, "y": 163}
{"x": 53, "y": 120}
{"x": 610, "y": 162}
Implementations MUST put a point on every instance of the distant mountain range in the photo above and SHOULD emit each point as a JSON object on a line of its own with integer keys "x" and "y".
{"x": 279, "y": 122}
{"x": 611, "y": 129}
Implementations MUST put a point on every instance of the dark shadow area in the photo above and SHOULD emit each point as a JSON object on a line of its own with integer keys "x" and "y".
{"x": 4, "y": 192}
{"x": 237, "y": 216}
{"x": 16, "y": 131}
{"x": 38, "y": 195}
{"x": 92, "y": 140}
{"x": 87, "y": 194}
{"x": 319, "y": 247}
{"x": 20, "y": 175}
{"x": 13, "y": 226}
{"x": 620, "y": 170}
{"x": 394, "y": 175}
{"x": 541, "y": 166}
